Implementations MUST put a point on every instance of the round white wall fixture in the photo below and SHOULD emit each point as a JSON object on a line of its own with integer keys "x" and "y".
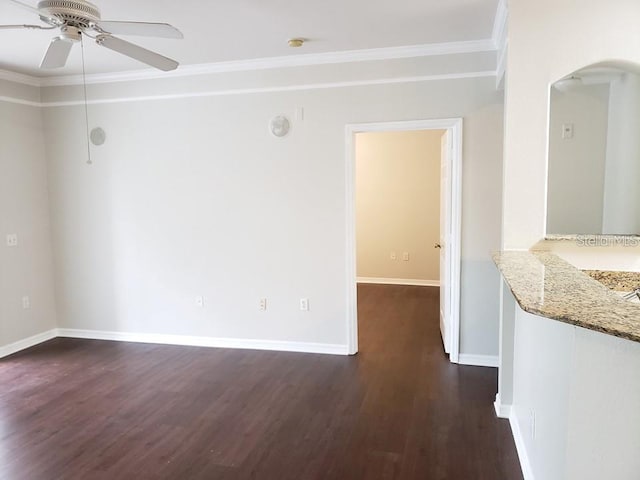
{"x": 97, "y": 136}
{"x": 279, "y": 126}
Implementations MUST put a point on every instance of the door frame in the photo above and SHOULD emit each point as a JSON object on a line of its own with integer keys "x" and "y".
{"x": 454, "y": 163}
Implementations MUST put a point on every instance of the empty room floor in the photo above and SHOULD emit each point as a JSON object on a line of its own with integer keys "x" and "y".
{"x": 85, "y": 409}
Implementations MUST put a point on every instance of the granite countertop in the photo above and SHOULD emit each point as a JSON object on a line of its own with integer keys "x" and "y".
{"x": 544, "y": 284}
{"x": 618, "y": 281}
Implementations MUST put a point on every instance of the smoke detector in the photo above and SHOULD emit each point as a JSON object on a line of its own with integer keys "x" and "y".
{"x": 296, "y": 42}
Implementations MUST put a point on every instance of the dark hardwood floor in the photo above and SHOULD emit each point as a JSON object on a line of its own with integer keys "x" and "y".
{"x": 83, "y": 409}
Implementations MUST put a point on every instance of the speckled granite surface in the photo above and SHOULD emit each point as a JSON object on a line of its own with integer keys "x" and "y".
{"x": 546, "y": 285}
{"x": 618, "y": 281}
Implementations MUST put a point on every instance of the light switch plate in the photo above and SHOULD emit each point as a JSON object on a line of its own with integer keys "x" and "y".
{"x": 12, "y": 240}
{"x": 567, "y": 131}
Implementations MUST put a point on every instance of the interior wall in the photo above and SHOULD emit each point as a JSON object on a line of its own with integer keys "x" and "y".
{"x": 481, "y": 231}
{"x": 25, "y": 269}
{"x": 179, "y": 204}
{"x": 398, "y": 204}
{"x": 556, "y": 395}
{"x": 549, "y": 39}
{"x": 575, "y": 198}
{"x": 622, "y": 195}
{"x": 599, "y": 31}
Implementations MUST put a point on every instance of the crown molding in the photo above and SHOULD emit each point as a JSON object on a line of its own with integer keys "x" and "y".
{"x": 16, "y": 77}
{"x": 310, "y": 59}
{"x": 20, "y": 101}
{"x": 499, "y": 35}
{"x": 276, "y": 89}
{"x": 259, "y": 90}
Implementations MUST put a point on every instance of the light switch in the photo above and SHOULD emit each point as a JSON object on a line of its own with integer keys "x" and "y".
{"x": 567, "y": 131}
{"x": 12, "y": 240}
{"x": 405, "y": 257}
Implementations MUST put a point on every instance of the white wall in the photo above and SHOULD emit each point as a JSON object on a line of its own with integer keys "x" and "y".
{"x": 622, "y": 195}
{"x": 575, "y": 198}
{"x": 398, "y": 204}
{"x": 192, "y": 196}
{"x": 27, "y": 269}
{"x": 549, "y": 39}
{"x": 542, "y": 49}
{"x": 576, "y": 406}
{"x": 481, "y": 195}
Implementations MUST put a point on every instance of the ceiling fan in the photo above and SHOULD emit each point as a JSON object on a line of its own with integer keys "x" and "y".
{"x": 75, "y": 18}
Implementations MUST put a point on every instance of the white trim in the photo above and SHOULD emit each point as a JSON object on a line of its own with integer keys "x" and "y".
{"x": 372, "y": 54}
{"x": 20, "y": 101}
{"x": 499, "y": 33}
{"x": 454, "y": 126}
{"x": 288, "y": 88}
{"x": 502, "y": 411}
{"x": 27, "y": 343}
{"x": 501, "y": 70}
{"x": 198, "y": 341}
{"x": 20, "y": 78}
{"x": 500, "y": 40}
{"x": 350, "y": 227}
{"x": 456, "y": 236}
{"x": 399, "y": 281}
{"x": 478, "y": 360}
{"x": 525, "y": 464}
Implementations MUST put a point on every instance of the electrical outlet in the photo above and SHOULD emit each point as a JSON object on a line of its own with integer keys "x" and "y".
{"x": 405, "y": 257}
{"x": 26, "y": 302}
{"x": 12, "y": 240}
{"x": 393, "y": 256}
{"x": 200, "y": 301}
{"x": 304, "y": 304}
{"x": 263, "y": 304}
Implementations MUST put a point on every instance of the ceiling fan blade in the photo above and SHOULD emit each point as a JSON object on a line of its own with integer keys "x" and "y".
{"x": 38, "y": 27}
{"x": 24, "y": 6}
{"x": 57, "y": 53}
{"x": 29, "y": 8}
{"x": 147, "y": 29}
{"x": 138, "y": 53}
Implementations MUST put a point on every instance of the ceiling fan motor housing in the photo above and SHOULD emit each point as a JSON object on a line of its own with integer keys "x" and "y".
{"x": 77, "y": 13}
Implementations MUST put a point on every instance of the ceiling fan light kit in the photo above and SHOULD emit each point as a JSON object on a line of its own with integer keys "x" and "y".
{"x": 77, "y": 12}
{"x": 75, "y": 18}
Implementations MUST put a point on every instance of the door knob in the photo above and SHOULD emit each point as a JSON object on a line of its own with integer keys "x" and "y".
{"x": 437, "y": 245}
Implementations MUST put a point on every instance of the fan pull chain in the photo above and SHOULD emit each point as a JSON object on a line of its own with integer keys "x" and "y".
{"x": 86, "y": 105}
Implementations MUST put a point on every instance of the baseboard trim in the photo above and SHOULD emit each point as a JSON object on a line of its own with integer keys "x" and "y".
{"x": 502, "y": 411}
{"x": 214, "y": 342}
{"x": 399, "y": 281}
{"x": 478, "y": 360}
{"x": 25, "y": 343}
{"x": 525, "y": 464}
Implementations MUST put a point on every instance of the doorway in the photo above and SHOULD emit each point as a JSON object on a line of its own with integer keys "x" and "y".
{"x": 449, "y": 231}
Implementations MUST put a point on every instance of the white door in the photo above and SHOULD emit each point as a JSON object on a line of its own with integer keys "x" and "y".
{"x": 444, "y": 243}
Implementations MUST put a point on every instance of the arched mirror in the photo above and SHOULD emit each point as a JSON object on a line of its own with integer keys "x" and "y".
{"x": 593, "y": 184}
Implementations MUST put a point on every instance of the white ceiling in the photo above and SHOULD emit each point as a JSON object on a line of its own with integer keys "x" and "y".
{"x": 217, "y": 31}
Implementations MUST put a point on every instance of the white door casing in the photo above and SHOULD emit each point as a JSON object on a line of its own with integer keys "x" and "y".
{"x": 443, "y": 242}
{"x": 450, "y": 282}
